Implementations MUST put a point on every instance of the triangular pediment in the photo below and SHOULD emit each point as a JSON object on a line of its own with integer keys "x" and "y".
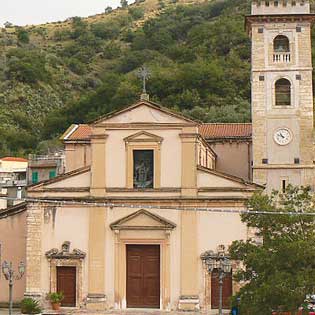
{"x": 142, "y": 220}
{"x": 145, "y": 112}
{"x": 143, "y": 136}
{"x": 76, "y": 179}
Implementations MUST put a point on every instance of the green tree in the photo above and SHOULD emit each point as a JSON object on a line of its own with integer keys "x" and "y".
{"x": 28, "y": 66}
{"x": 108, "y": 10}
{"x": 279, "y": 261}
{"x": 23, "y": 35}
{"x": 124, "y": 3}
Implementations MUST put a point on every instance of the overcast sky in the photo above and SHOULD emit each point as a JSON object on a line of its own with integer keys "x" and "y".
{"x": 22, "y": 12}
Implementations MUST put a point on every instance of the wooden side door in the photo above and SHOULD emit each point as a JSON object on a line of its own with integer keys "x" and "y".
{"x": 143, "y": 276}
{"x": 66, "y": 283}
{"x": 215, "y": 290}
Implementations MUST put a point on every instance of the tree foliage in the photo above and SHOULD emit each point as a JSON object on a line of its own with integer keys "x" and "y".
{"x": 279, "y": 262}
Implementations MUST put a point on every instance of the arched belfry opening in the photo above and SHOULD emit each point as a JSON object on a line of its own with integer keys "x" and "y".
{"x": 283, "y": 92}
{"x": 281, "y": 44}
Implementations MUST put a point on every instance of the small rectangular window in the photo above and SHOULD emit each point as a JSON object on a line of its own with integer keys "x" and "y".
{"x": 293, "y": 3}
{"x": 52, "y": 174}
{"x": 267, "y": 3}
{"x": 143, "y": 168}
{"x": 284, "y": 185}
{"x": 264, "y": 161}
{"x": 34, "y": 177}
{"x": 276, "y": 3}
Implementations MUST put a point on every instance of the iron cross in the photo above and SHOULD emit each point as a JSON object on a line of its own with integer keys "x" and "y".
{"x": 144, "y": 74}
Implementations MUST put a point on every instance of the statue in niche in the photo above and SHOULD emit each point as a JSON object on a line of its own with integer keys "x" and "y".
{"x": 143, "y": 169}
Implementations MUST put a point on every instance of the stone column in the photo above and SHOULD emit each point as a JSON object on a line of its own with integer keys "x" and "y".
{"x": 34, "y": 221}
{"x": 96, "y": 299}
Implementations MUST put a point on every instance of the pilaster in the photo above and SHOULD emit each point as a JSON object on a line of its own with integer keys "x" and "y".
{"x": 189, "y": 299}
{"x": 98, "y": 167}
{"x": 189, "y": 138}
{"x": 96, "y": 299}
{"x": 34, "y": 220}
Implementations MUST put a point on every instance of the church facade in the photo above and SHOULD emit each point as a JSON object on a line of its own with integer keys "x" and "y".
{"x": 122, "y": 226}
{"x": 147, "y": 191}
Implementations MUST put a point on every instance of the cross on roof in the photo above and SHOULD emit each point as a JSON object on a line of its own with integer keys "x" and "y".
{"x": 144, "y": 74}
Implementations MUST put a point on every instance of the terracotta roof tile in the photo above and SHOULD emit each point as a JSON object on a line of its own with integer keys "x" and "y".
{"x": 229, "y": 130}
{"x": 13, "y": 159}
{"x": 83, "y": 132}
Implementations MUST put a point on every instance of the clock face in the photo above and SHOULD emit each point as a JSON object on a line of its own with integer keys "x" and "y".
{"x": 283, "y": 136}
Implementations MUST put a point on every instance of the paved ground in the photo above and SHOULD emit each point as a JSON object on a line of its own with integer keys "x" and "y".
{"x": 4, "y": 311}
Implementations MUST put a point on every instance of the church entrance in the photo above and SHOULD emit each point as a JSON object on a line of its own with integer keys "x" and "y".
{"x": 143, "y": 276}
{"x": 226, "y": 293}
{"x": 66, "y": 283}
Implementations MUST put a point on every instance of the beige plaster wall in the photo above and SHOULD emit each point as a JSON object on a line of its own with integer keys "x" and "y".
{"x": 170, "y": 157}
{"x": 234, "y": 158}
{"x": 77, "y": 155}
{"x": 64, "y": 224}
{"x": 13, "y": 248}
{"x": 12, "y": 165}
{"x": 216, "y": 229}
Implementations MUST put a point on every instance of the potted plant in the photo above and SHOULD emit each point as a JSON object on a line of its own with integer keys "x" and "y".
{"x": 55, "y": 300}
{"x": 30, "y": 306}
{"x": 308, "y": 307}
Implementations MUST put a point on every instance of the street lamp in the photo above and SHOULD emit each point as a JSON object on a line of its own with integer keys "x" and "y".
{"x": 9, "y": 274}
{"x": 221, "y": 263}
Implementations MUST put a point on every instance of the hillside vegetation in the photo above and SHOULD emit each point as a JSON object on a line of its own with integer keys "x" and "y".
{"x": 74, "y": 71}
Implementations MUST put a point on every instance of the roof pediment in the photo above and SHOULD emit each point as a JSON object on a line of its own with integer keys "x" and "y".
{"x": 142, "y": 220}
{"x": 143, "y": 136}
{"x": 145, "y": 112}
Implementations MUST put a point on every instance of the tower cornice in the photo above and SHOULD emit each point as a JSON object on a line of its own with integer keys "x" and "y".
{"x": 277, "y": 18}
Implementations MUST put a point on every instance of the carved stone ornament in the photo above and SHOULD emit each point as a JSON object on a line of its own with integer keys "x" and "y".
{"x": 65, "y": 253}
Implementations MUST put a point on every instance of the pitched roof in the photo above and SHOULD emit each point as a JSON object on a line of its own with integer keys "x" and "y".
{"x": 81, "y": 133}
{"x": 149, "y": 104}
{"x": 77, "y": 132}
{"x": 226, "y": 131}
{"x": 13, "y": 159}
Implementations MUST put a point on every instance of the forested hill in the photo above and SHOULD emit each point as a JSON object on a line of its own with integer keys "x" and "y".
{"x": 74, "y": 71}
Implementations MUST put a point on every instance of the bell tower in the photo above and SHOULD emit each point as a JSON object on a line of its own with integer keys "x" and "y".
{"x": 282, "y": 93}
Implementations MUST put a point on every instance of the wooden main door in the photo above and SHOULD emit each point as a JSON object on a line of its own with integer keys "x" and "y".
{"x": 215, "y": 290}
{"x": 143, "y": 276}
{"x": 66, "y": 283}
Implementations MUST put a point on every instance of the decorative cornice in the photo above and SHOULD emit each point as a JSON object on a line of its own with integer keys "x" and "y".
{"x": 148, "y": 190}
{"x": 65, "y": 253}
{"x": 137, "y": 137}
{"x": 103, "y": 137}
{"x": 277, "y": 18}
{"x": 121, "y": 223}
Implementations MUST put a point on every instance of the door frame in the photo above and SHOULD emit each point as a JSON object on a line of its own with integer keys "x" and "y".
{"x": 54, "y": 263}
{"x": 121, "y": 242}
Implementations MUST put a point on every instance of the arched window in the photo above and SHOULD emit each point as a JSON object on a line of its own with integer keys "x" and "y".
{"x": 283, "y": 92}
{"x": 281, "y": 44}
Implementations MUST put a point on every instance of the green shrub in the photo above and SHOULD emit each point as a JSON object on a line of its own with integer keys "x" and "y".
{"x": 30, "y": 306}
{"x": 136, "y": 13}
